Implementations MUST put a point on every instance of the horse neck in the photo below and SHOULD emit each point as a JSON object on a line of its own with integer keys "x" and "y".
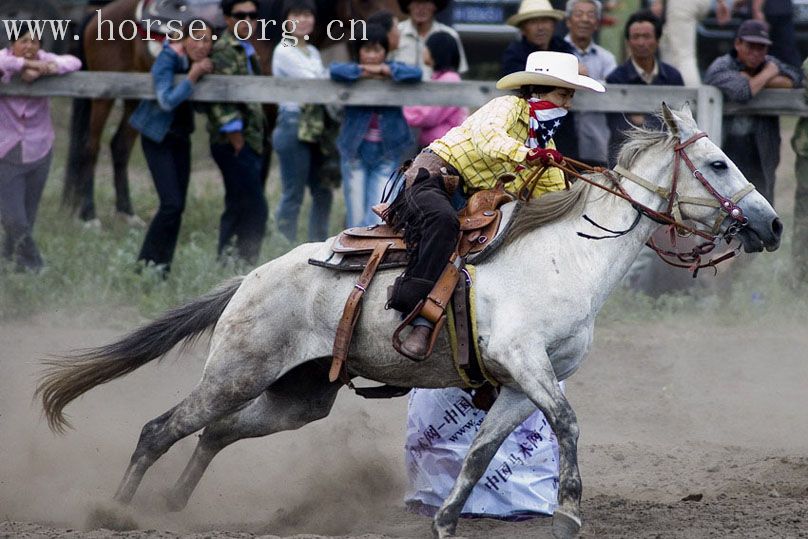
{"x": 594, "y": 268}
{"x": 615, "y": 255}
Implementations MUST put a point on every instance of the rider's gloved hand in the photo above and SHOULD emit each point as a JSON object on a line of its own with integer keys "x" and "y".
{"x": 544, "y": 156}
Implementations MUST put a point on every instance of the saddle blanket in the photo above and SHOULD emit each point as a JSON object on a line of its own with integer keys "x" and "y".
{"x": 521, "y": 481}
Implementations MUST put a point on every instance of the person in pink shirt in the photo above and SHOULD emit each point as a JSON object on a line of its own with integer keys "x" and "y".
{"x": 26, "y": 144}
{"x": 443, "y": 56}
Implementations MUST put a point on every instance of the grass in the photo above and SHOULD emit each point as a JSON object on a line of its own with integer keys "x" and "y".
{"x": 96, "y": 270}
{"x": 91, "y": 271}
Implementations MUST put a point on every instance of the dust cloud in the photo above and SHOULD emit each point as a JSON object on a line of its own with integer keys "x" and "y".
{"x": 667, "y": 411}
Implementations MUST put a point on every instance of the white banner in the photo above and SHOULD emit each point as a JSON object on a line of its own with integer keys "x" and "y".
{"x": 522, "y": 478}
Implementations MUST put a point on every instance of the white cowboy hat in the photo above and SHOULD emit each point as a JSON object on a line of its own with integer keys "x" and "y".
{"x": 545, "y": 68}
{"x": 532, "y": 9}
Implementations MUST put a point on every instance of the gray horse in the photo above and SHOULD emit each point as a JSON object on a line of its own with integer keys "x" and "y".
{"x": 538, "y": 296}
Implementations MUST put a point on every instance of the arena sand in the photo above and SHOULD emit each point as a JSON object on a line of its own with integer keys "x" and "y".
{"x": 666, "y": 412}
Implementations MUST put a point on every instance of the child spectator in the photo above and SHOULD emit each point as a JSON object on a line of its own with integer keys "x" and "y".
{"x": 389, "y": 22}
{"x": 26, "y": 146}
{"x": 443, "y": 56}
{"x": 371, "y": 137}
{"x": 166, "y": 126}
{"x": 300, "y": 161}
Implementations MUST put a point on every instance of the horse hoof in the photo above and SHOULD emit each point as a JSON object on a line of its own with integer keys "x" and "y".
{"x": 132, "y": 220}
{"x": 111, "y": 517}
{"x": 173, "y": 503}
{"x": 443, "y": 531}
{"x": 565, "y": 525}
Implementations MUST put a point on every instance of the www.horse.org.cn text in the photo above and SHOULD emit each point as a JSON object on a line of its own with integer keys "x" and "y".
{"x": 174, "y": 30}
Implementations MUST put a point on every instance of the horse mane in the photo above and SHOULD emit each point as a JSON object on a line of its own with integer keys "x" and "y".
{"x": 553, "y": 206}
{"x": 639, "y": 139}
{"x": 546, "y": 209}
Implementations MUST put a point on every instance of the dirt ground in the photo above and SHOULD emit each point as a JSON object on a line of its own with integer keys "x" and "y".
{"x": 666, "y": 412}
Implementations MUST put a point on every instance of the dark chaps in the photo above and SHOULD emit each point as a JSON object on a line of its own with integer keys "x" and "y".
{"x": 431, "y": 230}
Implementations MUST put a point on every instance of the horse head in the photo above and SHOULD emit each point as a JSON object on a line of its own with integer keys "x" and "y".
{"x": 712, "y": 191}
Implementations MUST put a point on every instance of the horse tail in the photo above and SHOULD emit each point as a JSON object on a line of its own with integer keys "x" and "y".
{"x": 79, "y": 132}
{"x": 69, "y": 377}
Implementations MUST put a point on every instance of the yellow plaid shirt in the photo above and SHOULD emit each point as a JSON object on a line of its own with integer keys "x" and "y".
{"x": 490, "y": 143}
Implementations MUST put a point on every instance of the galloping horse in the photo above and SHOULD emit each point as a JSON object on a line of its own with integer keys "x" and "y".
{"x": 273, "y": 331}
{"x": 120, "y": 54}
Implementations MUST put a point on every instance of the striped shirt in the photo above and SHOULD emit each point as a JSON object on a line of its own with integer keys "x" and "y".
{"x": 374, "y": 132}
{"x": 491, "y": 143}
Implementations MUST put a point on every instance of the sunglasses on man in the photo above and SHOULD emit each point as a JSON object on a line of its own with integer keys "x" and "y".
{"x": 244, "y": 15}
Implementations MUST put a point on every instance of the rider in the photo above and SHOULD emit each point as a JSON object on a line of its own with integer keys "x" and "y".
{"x": 509, "y": 135}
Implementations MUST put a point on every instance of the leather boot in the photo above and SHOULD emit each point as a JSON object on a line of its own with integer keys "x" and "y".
{"x": 417, "y": 343}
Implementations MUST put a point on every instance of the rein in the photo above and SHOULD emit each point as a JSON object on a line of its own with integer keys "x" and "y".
{"x": 671, "y": 217}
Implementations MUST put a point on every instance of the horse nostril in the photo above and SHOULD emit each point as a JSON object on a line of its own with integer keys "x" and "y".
{"x": 777, "y": 227}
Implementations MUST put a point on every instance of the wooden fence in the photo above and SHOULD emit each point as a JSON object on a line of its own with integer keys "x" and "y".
{"x": 706, "y": 101}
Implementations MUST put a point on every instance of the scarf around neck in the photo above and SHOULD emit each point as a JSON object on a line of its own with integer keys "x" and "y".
{"x": 545, "y": 119}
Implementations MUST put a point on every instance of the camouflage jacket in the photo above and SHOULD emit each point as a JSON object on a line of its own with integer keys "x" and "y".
{"x": 800, "y": 139}
{"x": 230, "y": 58}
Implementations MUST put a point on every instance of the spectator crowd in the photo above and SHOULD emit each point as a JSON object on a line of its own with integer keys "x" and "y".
{"x": 320, "y": 149}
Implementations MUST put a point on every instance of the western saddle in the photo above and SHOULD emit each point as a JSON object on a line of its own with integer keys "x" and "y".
{"x": 380, "y": 247}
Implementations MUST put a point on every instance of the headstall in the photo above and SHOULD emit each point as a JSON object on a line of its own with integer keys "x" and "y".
{"x": 672, "y": 217}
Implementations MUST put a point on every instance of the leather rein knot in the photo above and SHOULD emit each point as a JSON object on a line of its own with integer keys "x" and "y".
{"x": 671, "y": 217}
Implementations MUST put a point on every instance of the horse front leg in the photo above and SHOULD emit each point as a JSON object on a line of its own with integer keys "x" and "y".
{"x": 532, "y": 370}
{"x": 511, "y": 408}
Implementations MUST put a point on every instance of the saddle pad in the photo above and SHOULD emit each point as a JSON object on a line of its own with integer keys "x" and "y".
{"x": 476, "y": 375}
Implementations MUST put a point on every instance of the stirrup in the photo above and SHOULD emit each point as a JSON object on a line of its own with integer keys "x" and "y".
{"x": 433, "y": 336}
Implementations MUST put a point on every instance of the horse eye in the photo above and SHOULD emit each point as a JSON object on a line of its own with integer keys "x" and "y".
{"x": 719, "y": 165}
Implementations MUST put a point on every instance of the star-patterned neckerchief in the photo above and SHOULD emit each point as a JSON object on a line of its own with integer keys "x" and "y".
{"x": 545, "y": 119}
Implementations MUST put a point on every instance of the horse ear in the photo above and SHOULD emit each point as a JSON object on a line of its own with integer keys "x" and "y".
{"x": 670, "y": 120}
{"x": 687, "y": 111}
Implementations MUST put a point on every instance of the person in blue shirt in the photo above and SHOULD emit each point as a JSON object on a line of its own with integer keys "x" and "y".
{"x": 371, "y": 137}
{"x": 166, "y": 126}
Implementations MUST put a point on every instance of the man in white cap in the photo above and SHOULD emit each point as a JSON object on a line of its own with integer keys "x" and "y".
{"x": 416, "y": 30}
{"x": 536, "y": 20}
{"x": 508, "y": 135}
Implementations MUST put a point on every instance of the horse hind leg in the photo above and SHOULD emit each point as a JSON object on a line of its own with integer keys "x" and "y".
{"x": 222, "y": 390}
{"x": 301, "y": 396}
{"x": 121, "y": 147}
{"x": 510, "y": 410}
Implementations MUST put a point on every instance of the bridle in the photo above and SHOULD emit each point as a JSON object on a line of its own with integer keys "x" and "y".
{"x": 671, "y": 217}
